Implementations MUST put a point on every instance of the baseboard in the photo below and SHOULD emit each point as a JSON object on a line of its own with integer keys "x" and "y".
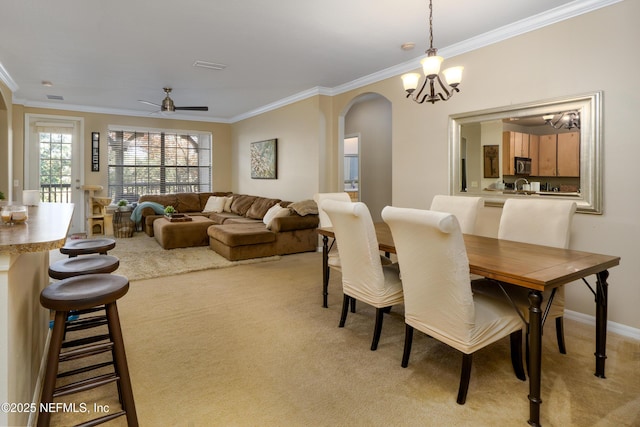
{"x": 616, "y": 328}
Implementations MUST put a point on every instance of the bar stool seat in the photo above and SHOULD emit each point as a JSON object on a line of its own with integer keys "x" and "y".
{"x": 80, "y": 293}
{"x": 90, "y": 264}
{"x": 75, "y": 247}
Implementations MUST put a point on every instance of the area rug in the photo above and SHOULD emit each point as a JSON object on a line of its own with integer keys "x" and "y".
{"x": 141, "y": 257}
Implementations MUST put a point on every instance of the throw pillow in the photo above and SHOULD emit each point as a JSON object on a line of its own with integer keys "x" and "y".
{"x": 305, "y": 207}
{"x": 227, "y": 204}
{"x": 214, "y": 204}
{"x": 275, "y": 211}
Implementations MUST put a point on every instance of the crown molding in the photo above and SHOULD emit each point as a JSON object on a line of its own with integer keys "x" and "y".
{"x": 117, "y": 112}
{"x": 7, "y": 80}
{"x": 318, "y": 90}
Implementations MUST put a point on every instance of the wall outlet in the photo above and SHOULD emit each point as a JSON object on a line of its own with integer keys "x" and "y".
{"x": 474, "y": 184}
{"x": 16, "y": 183}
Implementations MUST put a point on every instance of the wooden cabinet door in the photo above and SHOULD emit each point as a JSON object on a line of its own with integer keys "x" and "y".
{"x": 507, "y": 153}
{"x": 569, "y": 154}
{"x": 534, "y": 142}
{"x": 520, "y": 144}
{"x": 547, "y": 155}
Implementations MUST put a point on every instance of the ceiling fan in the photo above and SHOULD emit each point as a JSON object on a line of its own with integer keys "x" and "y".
{"x": 167, "y": 105}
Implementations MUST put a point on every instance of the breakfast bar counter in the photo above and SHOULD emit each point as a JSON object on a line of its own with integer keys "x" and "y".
{"x": 24, "y": 324}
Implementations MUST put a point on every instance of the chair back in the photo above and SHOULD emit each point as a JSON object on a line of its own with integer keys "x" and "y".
{"x": 464, "y": 208}
{"x": 435, "y": 272}
{"x": 322, "y": 215}
{"x": 362, "y": 273}
{"x": 537, "y": 221}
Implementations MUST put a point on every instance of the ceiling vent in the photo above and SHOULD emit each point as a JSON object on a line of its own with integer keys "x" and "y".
{"x": 209, "y": 65}
{"x": 55, "y": 97}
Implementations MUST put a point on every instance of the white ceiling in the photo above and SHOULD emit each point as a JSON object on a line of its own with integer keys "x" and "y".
{"x": 106, "y": 55}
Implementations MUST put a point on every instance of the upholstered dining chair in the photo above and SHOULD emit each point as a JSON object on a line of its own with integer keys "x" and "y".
{"x": 464, "y": 208}
{"x": 540, "y": 222}
{"x": 364, "y": 277}
{"x": 437, "y": 291}
{"x": 325, "y": 221}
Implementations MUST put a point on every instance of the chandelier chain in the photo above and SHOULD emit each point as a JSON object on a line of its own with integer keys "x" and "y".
{"x": 430, "y": 25}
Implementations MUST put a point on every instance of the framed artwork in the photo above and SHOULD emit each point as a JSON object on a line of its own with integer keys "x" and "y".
{"x": 264, "y": 159}
{"x": 95, "y": 151}
{"x": 491, "y": 159}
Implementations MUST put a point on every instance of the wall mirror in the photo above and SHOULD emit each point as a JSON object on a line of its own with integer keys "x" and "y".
{"x": 548, "y": 149}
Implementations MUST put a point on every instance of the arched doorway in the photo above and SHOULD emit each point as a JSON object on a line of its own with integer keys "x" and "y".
{"x": 368, "y": 118}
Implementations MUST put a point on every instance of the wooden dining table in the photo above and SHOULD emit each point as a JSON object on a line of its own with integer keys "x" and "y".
{"x": 537, "y": 268}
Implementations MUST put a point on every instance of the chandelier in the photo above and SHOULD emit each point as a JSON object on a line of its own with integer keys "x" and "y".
{"x": 437, "y": 90}
{"x": 567, "y": 120}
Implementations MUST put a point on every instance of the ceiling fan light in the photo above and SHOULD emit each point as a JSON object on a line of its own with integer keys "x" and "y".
{"x": 453, "y": 75}
{"x": 431, "y": 65}
{"x": 547, "y": 117}
{"x": 410, "y": 81}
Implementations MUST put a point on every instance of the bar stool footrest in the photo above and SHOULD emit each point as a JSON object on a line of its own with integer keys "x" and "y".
{"x": 85, "y": 369}
{"x": 102, "y": 419}
{"x": 90, "y": 350}
{"x": 86, "y": 384}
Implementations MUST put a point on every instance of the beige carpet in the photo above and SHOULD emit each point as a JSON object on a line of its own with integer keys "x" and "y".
{"x": 141, "y": 257}
{"x": 252, "y": 346}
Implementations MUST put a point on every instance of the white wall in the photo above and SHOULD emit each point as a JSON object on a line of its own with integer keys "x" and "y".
{"x": 371, "y": 119}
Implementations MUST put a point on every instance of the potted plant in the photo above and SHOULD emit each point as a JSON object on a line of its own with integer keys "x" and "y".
{"x": 123, "y": 205}
{"x": 169, "y": 211}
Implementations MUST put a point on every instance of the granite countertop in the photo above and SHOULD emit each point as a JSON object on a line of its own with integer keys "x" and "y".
{"x": 45, "y": 229}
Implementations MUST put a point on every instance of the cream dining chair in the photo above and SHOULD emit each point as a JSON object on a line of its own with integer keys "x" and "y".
{"x": 464, "y": 208}
{"x": 325, "y": 221}
{"x": 364, "y": 277}
{"x": 437, "y": 291}
{"x": 539, "y": 222}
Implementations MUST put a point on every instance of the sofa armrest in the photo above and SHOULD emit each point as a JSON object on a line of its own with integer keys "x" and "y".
{"x": 294, "y": 222}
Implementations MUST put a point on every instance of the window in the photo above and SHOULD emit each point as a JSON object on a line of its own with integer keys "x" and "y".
{"x": 157, "y": 162}
{"x": 55, "y": 165}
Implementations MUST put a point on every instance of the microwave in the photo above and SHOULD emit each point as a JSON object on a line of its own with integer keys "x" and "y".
{"x": 522, "y": 165}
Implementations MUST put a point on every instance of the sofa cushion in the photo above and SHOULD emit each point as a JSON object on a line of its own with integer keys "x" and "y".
{"x": 260, "y": 206}
{"x": 241, "y": 234}
{"x": 188, "y": 202}
{"x": 241, "y": 203}
{"x": 163, "y": 199}
{"x": 227, "y": 204}
{"x": 304, "y": 207}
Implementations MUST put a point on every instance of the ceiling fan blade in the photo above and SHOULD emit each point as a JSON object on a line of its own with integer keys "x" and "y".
{"x": 149, "y": 103}
{"x": 192, "y": 108}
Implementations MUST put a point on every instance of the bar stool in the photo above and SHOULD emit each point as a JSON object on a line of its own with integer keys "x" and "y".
{"x": 79, "y": 293}
{"x": 78, "y": 266}
{"x": 90, "y": 264}
{"x": 76, "y": 247}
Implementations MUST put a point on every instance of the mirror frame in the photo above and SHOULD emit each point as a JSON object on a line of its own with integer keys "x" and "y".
{"x": 590, "y": 107}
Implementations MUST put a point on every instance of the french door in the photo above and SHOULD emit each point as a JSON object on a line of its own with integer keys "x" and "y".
{"x": 53, "y": 161}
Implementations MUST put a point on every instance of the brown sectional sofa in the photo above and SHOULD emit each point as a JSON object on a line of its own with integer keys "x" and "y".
{"x": 240, "y": 232}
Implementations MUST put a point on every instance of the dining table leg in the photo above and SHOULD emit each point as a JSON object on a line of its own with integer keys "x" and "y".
{"x": 325, "y": 271}
{"x": 535, "y": 356}
{"x": 601, "y": 321}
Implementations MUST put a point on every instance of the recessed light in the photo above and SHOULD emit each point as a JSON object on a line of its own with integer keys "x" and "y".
{"x": 407, "y": 46}
{"x": 210, "y": 65}
{"x": 47, "y": 83}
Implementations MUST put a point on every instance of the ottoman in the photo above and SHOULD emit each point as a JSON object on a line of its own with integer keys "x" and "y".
{"x": 171, "y": 235}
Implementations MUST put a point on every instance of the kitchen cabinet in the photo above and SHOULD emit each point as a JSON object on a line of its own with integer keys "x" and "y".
{"x": 534, "y": 142}
{"x": 514, "y": 144}
{"x": 559, "y": 155}
{"x": 569, "y": 154}
{"x": 547, "y": 155}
